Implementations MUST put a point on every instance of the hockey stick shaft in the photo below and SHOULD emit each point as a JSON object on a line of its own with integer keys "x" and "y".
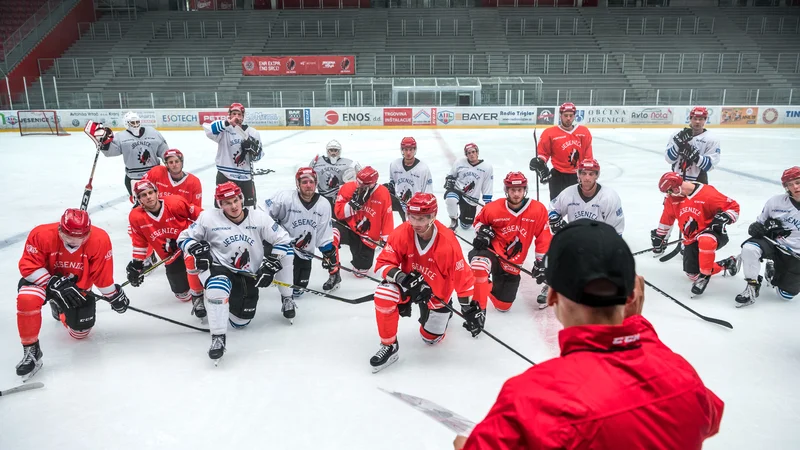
{"x": 149, "y": 269}
{"x": 674, "y": 251}
{"x": 22, "y": 387}
{"x": 352, "y": 301}
{"x": 87, "y": 191}
{"x": 706, "y": 318}
{"x": 361, "y": 236}
{"x": 677, "y": 241}
{"x": 522, "y": 269}
{"x": 147, "y": 313}
{"x": 536, "y": 141}
{"x": 782, "y": 248}
{"x": 340, "y": 266}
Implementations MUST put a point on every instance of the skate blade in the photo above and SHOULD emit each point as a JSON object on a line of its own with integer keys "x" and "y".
{"x": 30, "y": 375}
{"x": 333, "y": 288}
{"x": 742, "y": 305}
{"x": 218, "y": 360}
{"x": 542, "y": 305}
{"x": 392, "y": 359}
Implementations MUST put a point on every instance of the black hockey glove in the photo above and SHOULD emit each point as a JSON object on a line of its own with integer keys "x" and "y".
{"x": 404, "y": 309}
{"x": 135, "y": 272}
{"x": 359, "y": 198}
{"x": 64, "y": 292}
{"x": 252, "y": 147}
{"x": 659, "y": 242}
{"x": 556, "y": 222}
{"x": 119, "y": 301}
{"x": 690, "y": 154}
{"x": 270, "y": 265}
{"x": 719, "y": 222}
{"x": 390, "y": 187}
{"x": 329, "y": 260}
{"x": 483, "y": 238}
{"x": 474, "y": 317}
{"x": 773, "y": 229}
{"x": 414, "y": 286}
{"x": 201, "y": 251}
{"x": 450, "y": 183}
{"x": 538, "y": 271}
{"x": 540, "y": 167}
{"x": 171, "y": 246}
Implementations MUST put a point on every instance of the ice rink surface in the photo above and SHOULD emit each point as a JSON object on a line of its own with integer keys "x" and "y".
{"x": 139, "y": 383}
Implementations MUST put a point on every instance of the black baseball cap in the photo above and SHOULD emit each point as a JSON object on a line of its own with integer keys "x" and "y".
{"x": 587, "y": 250}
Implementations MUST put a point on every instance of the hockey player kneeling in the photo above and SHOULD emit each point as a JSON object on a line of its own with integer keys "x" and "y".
{"x": 237, "y": 250}
{"x": 422, "y": 263}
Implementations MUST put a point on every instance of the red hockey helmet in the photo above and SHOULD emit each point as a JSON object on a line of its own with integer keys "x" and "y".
{"x": 699, "y": 111}
{"x": 469, "y": 147}
{"x": 792, "y": 173}
{"x": 305, "y": 172}
{"x": 75, "y": 223}
{"x": 408, "y": 142}
{"x": 589, "y": 164}
{"x": 422, "y": 203}
{"x": 227, "y": 190}
{"x": 515, "y": 179}
{"x": 236, "y": 106}
{"x": 142, "y": 186}
{"x": 669, "y": 182}
{"x": 367, "y": 176}
{"x": 567, "y": 107}
{"x": 173, "y": 152}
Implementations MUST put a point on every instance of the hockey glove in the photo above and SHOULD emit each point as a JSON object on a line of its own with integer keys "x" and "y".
{"x": 269, "y": 267}
{"x": 104, "y": 136}
{"x": 538, "y": 271}
{"x": 659, "y": 242}
{"x": 483, "y": 238}
{"x": 329, "y": 261}
{"x": 64, "y": 292}
{"x": 556, "y": 222}
{"x": 719, "y": 222}
{"x": 390, "y": 187}
{"x": 171, "y": 246}
{"x": 201, "y": 251}
{"x": 474, "y": 317}
{"x": 404, "y": 309}
{"x": 135, "y": 272}
{"x": 252, "y": 147}
{"x": 414, "y": 286}
{"x": 359, "y": 198}
{"x": 540, "y": 167}
{"x": 690, "y": 154}
{"x": 119, "y": 301}
{"x": 450, "y": 183}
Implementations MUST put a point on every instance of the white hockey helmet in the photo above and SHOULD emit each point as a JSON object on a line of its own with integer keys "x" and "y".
{"x": 132, "y": 121}
{"x": 333, "y": 150}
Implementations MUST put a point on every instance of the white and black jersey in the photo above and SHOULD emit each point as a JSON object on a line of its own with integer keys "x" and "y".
{"x": 782, "y": 207}
{"x": 139, "y": 152}
{"x": 605, "y": 206}
{"x": 474, "y": 181}
{"x": 706, "y": 143}
{"x": 408, "y": 180}
{"x": 331, "y": 175}
{"x": 308, "y": 223}
{"x": 231, "y": 160}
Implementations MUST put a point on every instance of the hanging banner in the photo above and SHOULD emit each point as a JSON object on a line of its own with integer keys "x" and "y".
{"x": 298, "y": 65}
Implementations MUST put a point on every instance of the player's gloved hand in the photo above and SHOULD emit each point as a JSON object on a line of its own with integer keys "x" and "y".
{"x": 474, "y": 317}
{"x": 65, "y": 293}
{"x": 269, "y": 267}
{"x": 773, "y": 229}
{"x": 201, "y": 251}
{"x": 450, "y": 183}
{"x": 359, "y": 198}
{"x": 252, "y": 147}
{"x": 329, "y": 260}
{"x": 404, "y": 309}
{"x": 538, "y": 271}
{"x": 690, "y": 154}
{"x": 540, "y": 167}
{"x": 414, "y": 286}
{"x": 556, "y": 222}
{"x": 104, "y": 135}
{"x": 390, "y": 187}
{"x": 483, "y": 238}
{"x": 757, "y": 230}
{"x": 659, "y": 242}
{"x": 119, "y": 301}
{"x": 171, "y": 246}
{"x": 719, "y": 222}
{"x": 135, "y": 272}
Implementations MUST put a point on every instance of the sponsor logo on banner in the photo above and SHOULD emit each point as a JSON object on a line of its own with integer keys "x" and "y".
{"x": 545, "y": 116}
{"x": 331, "y": 117}
{"x": 739, "y": 116}
{"x": 9, "y": 119}
{"x": 579, "y": 116}
{"x": 652, "y": 116}
{"x": 478, "y": 117}
{"x": 792, "y": 116}
{"x": 211, "y": 116}
{"x": 298, "y": 117}
{"x": 445, "y": 117}
{"x": 770, "y": 116}
{"x": 517, "y": 117}
{"x": 396, "y": 116}
{"x": 298, "y": 65}
{"x": 78, "y": 118}
{"x": 424, "y": 117}
{"x": 605, "y": 116}
{"x": 262, "y": 118}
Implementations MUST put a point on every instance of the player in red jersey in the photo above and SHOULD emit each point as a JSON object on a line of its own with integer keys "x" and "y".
{"x": 702, "y": 214}
{"x": 170, "y": 179}
{"x": 61, "y": 262}
{"x": 422, "y": 263}
{"x": 156, "y": 223}
{"x": 366, "y": 208}
{"x": 566, "y": 145}
{"x": 505, "y": 230}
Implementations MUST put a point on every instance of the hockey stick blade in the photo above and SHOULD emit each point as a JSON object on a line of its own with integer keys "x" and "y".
{"x": 454, "y": 422}
{"x": 721, "y": 322}
{"x": 352, "y": 301}
{"x": 522, "y": 269}
{"x": 651, "y": 249}
{"x": 22, "y": 387}
{"x": 671, "y": 254}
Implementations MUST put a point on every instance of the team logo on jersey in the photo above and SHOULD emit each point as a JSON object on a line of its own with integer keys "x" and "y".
{"x": 574, "y": 158}
{"x": 144, "y": 156}
{"x": 406, "y": 196}
{"x": 239, "y": 158}
{"x": 363, "y": 226}
{"x": 31, "y": 249}
{"x": 468, "y": 188}
{"x": 460, "y": 265}
{"x": 513, "y": 248}
{"x": 241, "y": 261}
{"x": 690, "y": 228}
{"x": 303, "y": 241}
{"x": 333, "y": 182}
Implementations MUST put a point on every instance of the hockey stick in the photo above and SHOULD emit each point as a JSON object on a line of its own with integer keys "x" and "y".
{"x": 522, "y": 269}
{"x": 782, "y": 248}
{"x": 470, "y": 198}
{"x": 674, "y": 251}
{"x": 22, "y": 387}
{"x": 89, "y": 129}
{"x": 344, "y": 224}
{"x": 454, "y": 422}
{"x": 352, "y": 301}
{"x": 339, "y": 265}
{"x": 147, "y": 313}
{"x": 651, "y": 249}
{"x": 149, "y": 269}
{"x": 536, "y": 141}
{"x": 706, "y": 318}
{"x": 257, "y": 172}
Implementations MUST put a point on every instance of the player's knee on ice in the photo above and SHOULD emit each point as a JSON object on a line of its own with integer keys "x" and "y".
{"x": 433, "y": 323}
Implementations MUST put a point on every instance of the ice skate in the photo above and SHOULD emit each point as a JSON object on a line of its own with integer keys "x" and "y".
{"x": 730, "y": 265}
{"x": 748, "y": 296}
{"x": 386, "y": 356}
{"x": 360, "y": 273}
{"x": 198, "y": 307}
{"x": 453, "y": 224}
{"x": 541, "y": 299}
{"x": 288, "y": 307}
{"x": 333, "y": 282}
{"x": 769, "y": 273}
{"x": 297, "y": 293}
{"x": 700, "y": 284}
{"x": 31, "y": 361}
{"x": 217, "y": 348}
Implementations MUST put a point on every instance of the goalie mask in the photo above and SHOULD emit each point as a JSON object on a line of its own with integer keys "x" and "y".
{"x": 132, "y": 122}
{"x": 334, "y": 151}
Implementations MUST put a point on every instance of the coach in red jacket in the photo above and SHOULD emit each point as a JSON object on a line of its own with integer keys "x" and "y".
{"x": 616, "y": 385}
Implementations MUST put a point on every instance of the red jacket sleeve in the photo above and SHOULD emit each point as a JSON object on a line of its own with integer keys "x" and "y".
{"x": 196, "y": 190}
{"x": 33, "y": 261}
{"x": 387, "y": 219}
{"x": 501, "y": 429}
{"x": 344, "y": 196}
{"x": 587, "y": 145}
{"x": 715, "y": 409}
{"x": 390, "y": 257}
{"x": 138, "y": 239}
{"x": 542, "y": 233}
{"x": 667, "y": 218}
{"x": 544, "y": 150}
{"x": 723, "y": 203}
{"x": 101, "y": 261}
{"x": 463, "y": 279}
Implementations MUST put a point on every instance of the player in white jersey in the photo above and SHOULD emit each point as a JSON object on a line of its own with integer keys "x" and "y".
{"x": 694, "y": 151}
{"x": 307, "y": 217}
{"x": 238, "y": 146}
{"x": 778, "y": 222}
{"x": 469, "y": 181}
{"x": 333, "y": 171}
{"x": 141, "y": 148}
{"x": 407, "y": 176}
{"x": 237, "y": 251}
{"x": 587, "y": 200}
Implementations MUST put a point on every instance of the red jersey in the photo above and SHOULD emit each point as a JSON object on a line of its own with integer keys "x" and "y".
{"x": 188, "y": 187}
{"x": 374, "y": 220}
{"x": 695, "y": 212}
{"x": 516, "y": 231}
{"x": 147, "y": 229}
{"x": 615, "y": 387}
{"x": 565, "y": 148}
{"x": 441, "y": 263}
{"x": 46, "y": 255}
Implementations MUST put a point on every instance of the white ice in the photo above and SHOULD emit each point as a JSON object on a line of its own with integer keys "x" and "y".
{"x": 137, "y": 382}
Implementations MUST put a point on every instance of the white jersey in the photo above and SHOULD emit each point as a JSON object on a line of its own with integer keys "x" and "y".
{"x": 308, "y": 223}
{"x": 605, "y": 206}
{"x": 139, "y": 153}
{"x": 332, "y": 175}
{"x": 706, "y": 143}
{"x": 410, "y": 180}
{"x": 475, "y": 181}
{"x": 231, "y": 160}
{"x": 781, "y": 207}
